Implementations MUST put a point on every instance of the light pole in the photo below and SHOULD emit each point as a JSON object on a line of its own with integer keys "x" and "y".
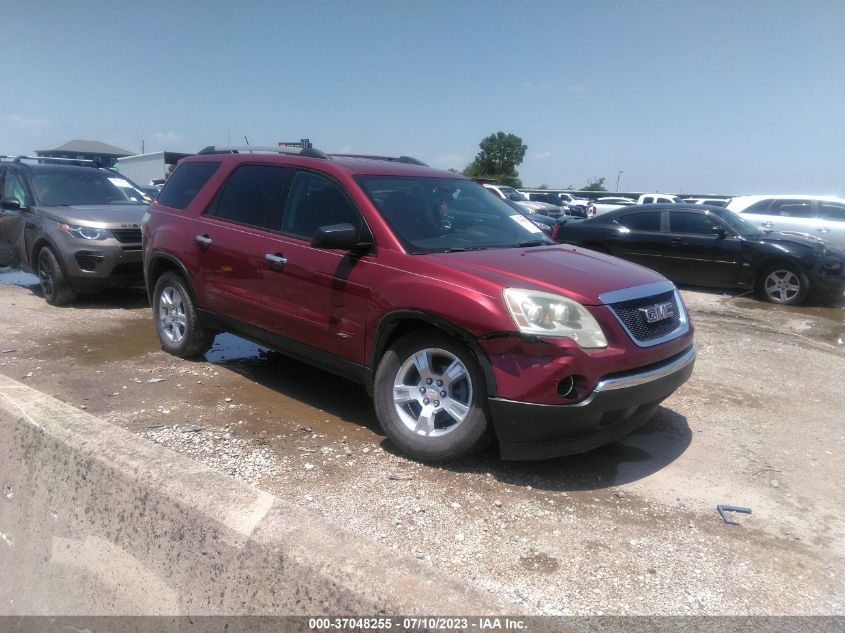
{"x": 618, "y": 174}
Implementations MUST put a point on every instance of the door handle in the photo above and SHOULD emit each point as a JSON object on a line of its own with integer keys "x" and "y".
{"x": 677, "y": 241}
{"x": 767, "y": 224}
{"x": 203, "y": 240}
{"x": 824, "y": 229}
{"x": 275, "y": 258}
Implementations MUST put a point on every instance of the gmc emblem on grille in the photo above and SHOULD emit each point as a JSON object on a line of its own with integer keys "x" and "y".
{"x": 658, "y": 312}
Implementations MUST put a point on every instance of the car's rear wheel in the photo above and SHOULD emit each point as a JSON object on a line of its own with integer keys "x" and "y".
{"x": 178, "y": 327}
{"x": 55, "y": 286}
{"x": 430, "y": 397}
{"x": 784, "y": 284}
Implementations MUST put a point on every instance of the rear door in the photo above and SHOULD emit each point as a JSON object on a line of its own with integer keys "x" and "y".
{"x": 641, "y": 240}
{"x": 318, "y": 296}
{"x": 830, "y": 224}
{"x": 233, "y": 239}
{"x": 698, "y": 254}
{"x": 794, "y": 214}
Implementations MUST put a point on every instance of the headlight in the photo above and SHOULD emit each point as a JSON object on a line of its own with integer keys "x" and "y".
{"x": 545, "y": 314}
{"x": 85, "y": 232}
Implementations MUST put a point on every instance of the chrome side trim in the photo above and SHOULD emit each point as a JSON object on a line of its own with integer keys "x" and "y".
{"x": 624, "y": 382}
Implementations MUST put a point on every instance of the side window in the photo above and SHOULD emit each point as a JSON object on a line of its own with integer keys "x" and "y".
{"x": 13, "y": 187}
{"x": 832, "y": 211}
{"x": 185, "y": 183}
{"x": 316, "y": 201}
{"x": 643, "y": 221}
{"x": 758, "y": 207}
{"x": 793, "y": 208}
{"x": 253, "y": 195}
{"x": 689, "y": 222}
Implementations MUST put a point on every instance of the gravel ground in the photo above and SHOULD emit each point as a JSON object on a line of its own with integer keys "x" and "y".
{"x": 630, "y": 528}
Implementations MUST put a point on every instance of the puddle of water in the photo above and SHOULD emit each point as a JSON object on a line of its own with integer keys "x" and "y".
{"x": 16, "y": 277}
{"x": 228, "y": 347}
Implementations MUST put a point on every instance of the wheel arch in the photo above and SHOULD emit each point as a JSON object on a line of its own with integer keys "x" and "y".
{"x": 158, "y": 264}
{"x": 397, "y": 324}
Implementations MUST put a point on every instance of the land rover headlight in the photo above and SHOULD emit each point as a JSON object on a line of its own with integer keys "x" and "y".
{"x": 546, "y": 314}
{"x": 85, "y": 232}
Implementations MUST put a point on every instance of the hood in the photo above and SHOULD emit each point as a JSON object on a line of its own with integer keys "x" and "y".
{"x": 99, "y": 216}
{"x": 577, "y": 273}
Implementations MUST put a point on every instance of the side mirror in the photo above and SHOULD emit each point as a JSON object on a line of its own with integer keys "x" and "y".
{"x": 720, "y": 231}
{"x": 342, "y": 236}
{"x": 10, "y": 204}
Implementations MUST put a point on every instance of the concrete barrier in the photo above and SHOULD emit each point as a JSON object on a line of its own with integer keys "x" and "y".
{"x": 95, "y": 520}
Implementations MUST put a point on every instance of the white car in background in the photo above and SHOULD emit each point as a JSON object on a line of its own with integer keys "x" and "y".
{"x": 608, "y": 203}
{"x": 819, "y": 216}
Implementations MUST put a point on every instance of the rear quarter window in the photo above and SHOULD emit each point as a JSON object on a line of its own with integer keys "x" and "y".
{"x": 185, "y": 183}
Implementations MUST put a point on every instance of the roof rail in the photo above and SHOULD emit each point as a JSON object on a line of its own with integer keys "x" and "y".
{"x": 251, "y": 149}
{"x": 76, "y": 161}
{"x": 410, "y": 160}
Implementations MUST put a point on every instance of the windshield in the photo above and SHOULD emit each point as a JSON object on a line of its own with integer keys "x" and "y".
{"x": 437, "y": 215}
{"x": 55, "y": 189}
{"x": 738, "y": 223}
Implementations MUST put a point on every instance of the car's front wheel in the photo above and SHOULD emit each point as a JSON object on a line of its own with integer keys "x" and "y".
{"x": 55, "y": 286}
{"x": 430, "y": 397}
{"x": 178, "y": 327}
{"x": 784, "y": 284}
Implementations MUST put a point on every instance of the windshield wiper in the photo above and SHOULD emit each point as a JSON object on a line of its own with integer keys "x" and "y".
{"x": 531, "y": 243}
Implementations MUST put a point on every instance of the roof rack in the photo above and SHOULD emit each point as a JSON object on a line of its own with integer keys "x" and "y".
{"x": 410, "y": 160}
{"x": 251, "y": 149}
{"x": 75, "y": 161}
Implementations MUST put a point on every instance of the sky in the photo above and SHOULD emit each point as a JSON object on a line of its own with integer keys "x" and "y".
{"x": 712, "y": 96}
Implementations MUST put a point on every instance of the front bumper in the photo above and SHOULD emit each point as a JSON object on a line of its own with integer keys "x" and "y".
{"x": 618, "y": 404}
{"x": 103, "y": 266}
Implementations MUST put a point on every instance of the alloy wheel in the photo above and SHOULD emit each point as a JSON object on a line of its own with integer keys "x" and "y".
{"x": 781, "y": 285}
{"x": 172, "y": 319}
{"x": 432, "y": 392}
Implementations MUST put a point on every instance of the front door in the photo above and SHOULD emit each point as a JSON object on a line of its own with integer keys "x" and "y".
{"x": 12, "y": 188}
{"x": 318, "y": 296}
{"x": 699, "y": 255}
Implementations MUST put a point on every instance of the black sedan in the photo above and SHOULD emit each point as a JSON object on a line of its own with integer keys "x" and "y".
{"x": 712, "y": 246}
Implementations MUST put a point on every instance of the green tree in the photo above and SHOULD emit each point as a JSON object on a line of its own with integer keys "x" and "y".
{"x": 500, "y": 154}
{"x": 595, "y": 184}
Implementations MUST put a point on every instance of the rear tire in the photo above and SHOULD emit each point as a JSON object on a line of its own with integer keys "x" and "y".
{"x": 783, "y": 284}
{"x": 176, "y": 322}
{"x": 55, "y": 286}
{"x": 430, "y": 397}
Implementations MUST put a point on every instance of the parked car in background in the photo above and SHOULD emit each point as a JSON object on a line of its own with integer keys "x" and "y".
{"x": 713, "y": 202}
{"x": 713, "y": 246}
{"x": 607, "y": 203}
{"x": 455, "y": 312}
{"x": 548, "y": 225}
{"x": 658, "y": 198}
{"x": 820, "y": 216}
{"x": 553, "y": 199}
{"x": 77, "y": 228}
{"x": 509, "y": 193}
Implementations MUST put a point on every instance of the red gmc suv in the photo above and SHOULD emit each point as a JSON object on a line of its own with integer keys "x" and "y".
{"x": 458, "y": 315}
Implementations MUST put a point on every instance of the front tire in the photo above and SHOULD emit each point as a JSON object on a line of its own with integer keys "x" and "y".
{"x": 178, "y": 327}
{"x": 784, "y": 284}
{"x": 430, "y": 397}
{"x": 55, "y": 286}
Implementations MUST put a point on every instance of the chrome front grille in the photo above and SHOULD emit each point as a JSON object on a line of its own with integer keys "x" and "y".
{"x": 650, "y": 314}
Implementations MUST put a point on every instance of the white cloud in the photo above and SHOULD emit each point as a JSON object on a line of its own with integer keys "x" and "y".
{"x": 29, "y": 124}
{"x": 540, "y": 155}
{"x": 167, "y": 138}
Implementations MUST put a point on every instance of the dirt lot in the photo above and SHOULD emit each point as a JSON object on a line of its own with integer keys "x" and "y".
{"x": 630, "y": 528}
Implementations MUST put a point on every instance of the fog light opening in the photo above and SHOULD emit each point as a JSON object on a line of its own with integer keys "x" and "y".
{"x": 566, "y": 387}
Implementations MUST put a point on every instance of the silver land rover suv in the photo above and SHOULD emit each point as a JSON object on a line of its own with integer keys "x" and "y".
{"x": 76, "y": 227}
